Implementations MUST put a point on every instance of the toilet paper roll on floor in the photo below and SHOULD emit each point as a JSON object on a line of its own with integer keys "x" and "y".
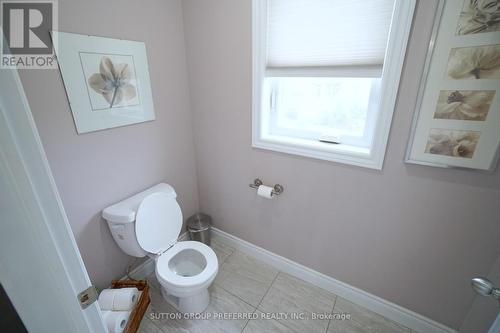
{"x": 123, "y": 299}
{"x": 116, "y": 321}
{"x": 106, "y": 298}
{"x": 265, "y": 191}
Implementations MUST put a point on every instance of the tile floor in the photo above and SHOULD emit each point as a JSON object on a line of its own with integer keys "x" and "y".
{"x": 247, "y": 287}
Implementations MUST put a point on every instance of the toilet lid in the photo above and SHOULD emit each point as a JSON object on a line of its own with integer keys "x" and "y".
{"x": 158, "y": 222}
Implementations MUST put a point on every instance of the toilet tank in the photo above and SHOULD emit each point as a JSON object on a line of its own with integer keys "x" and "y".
{"x": 121, "y": 219}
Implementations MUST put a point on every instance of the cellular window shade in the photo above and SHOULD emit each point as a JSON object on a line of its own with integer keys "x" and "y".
{"x": 327, "y": 33}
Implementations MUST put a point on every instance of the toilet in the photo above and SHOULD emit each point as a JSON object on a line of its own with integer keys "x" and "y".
{"x": 149, "y": 223}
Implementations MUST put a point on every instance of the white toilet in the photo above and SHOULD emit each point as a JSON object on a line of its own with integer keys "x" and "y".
{"x": 149, "y": 223}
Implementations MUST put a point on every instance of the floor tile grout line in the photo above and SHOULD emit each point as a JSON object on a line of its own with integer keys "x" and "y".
{"x": 267, "y": 291}
{"x": 231, "y": 252}
{"x": 248, "y": 321}
{"x": 153, "y": 323}
{"x": 238, "y": 297}
{"x": 331, "y": 313}
{"x": 268, "y": 288}
{"x": 257, "y": 308}
{"x": 229, "y": 292}
{"x": 284, "y": 321}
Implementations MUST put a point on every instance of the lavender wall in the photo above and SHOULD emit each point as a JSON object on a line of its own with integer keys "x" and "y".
{"x": 411, "y": 234}
{"x": 97, "y": 169}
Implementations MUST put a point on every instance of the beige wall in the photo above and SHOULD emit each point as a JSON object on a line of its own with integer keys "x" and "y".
{"x": 411, "y": 234}
{"x": 97, "y": 169}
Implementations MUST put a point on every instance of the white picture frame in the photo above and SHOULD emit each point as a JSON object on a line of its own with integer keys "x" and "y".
{"x": 107, "y": 80}
{"x": 457, "y": 117}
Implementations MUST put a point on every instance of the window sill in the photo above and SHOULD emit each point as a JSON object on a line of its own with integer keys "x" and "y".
{"x": 339, "y": 153}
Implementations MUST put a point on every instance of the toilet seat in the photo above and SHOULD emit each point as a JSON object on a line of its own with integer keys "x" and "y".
{"x": 166, "y": 275}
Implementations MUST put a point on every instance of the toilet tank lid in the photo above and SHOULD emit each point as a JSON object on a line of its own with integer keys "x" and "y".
{"x": 126, "y": 210}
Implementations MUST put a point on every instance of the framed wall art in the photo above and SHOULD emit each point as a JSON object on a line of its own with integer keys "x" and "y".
{"x": 106, "y": 80}
{"x": 457, "y": 116}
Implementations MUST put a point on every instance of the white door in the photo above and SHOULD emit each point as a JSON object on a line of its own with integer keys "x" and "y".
{"x": 495, "y": 328}
{"x": 40, "y": 266}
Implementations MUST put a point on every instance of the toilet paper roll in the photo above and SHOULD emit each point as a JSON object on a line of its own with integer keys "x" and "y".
{"x": 106, "y": 298}
{"x": 265, "y": 191}
{"x": 125, "y": 299}
{"x": 116, "y": 321}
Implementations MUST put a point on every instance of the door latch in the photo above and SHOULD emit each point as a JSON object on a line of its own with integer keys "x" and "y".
{"x": 87, "y": 297}
{"x": 485, "y": 287}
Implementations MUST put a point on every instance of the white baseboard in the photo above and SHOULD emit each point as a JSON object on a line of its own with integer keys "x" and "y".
{"x": 371, "y": 302}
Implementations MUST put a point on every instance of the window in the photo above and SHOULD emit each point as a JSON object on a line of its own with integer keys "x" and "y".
{"x": 326, "y": 74}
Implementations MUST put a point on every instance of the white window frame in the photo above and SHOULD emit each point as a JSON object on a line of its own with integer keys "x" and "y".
{"x": 393, "y": 64}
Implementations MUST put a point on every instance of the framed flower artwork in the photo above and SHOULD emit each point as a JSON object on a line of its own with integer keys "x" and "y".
{"x": 457, "y": 117}
{"x": 106, "y": 80}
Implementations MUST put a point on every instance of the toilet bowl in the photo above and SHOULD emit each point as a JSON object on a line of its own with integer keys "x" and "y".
{"x": 149, "y": 223}
{"x": 185, "y": 273}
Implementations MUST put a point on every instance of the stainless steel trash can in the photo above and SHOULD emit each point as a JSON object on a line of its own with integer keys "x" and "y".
{"x": 198, "y": 227}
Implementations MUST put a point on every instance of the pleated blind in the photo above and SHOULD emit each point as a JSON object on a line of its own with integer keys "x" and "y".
{"x": 327, "y": 33}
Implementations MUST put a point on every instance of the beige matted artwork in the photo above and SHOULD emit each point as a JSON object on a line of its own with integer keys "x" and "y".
{"x": 107, "y": 81}
{"x": 445, "y": 142}
{"x": 457, "y": 115}
{"x": 464, "y": 104}
{"x": 476, "y": 62}
{"x": 479, "y": 16}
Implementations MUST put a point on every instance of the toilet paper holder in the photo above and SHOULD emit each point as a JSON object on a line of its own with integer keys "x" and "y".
{"x": 277, "y": 189}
